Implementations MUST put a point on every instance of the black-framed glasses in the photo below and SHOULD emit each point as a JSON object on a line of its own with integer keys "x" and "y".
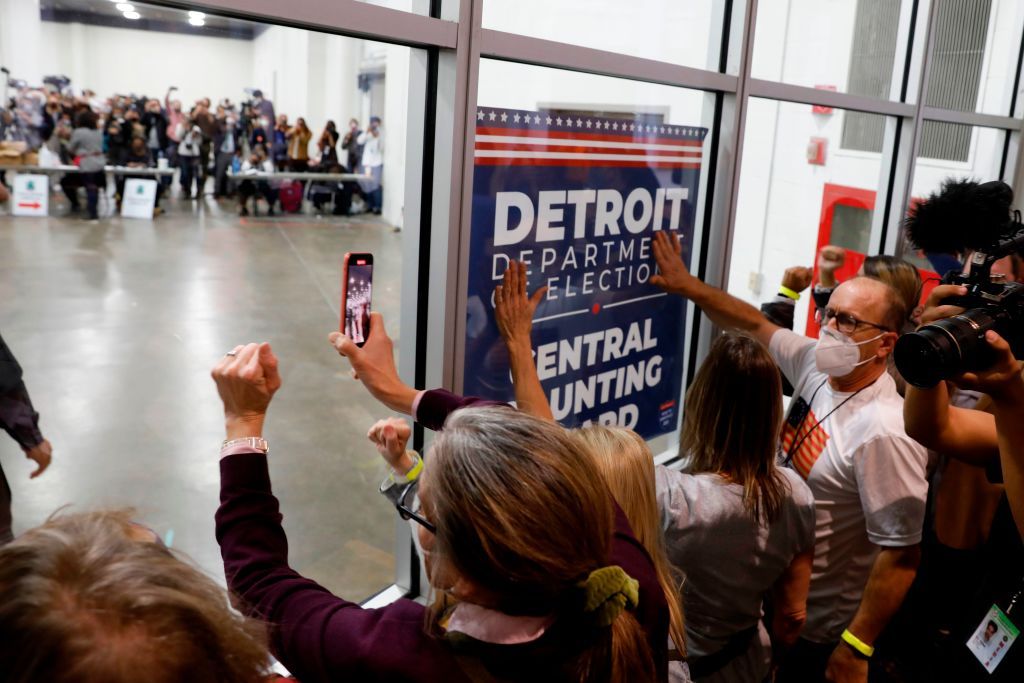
{"x": 406, "y": 511}
{"x": 845, "y": 322}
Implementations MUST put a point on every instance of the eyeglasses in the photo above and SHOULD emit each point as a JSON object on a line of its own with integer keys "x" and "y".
{"x": 845, "y": 322}
{"x": 406, "y": 511}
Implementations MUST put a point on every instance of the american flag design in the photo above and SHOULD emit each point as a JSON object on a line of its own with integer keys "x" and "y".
{"x": 513, "y": 137}
{"x": 813, "y": 437}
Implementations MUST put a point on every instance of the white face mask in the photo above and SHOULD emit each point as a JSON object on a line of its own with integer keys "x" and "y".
{"x": 837, "y": 355}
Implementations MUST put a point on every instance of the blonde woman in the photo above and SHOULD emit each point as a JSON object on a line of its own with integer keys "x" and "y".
{"x": 627, "y": 465}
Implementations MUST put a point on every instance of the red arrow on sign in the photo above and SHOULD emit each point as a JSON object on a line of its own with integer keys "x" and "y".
{"x": 29, "y": 205}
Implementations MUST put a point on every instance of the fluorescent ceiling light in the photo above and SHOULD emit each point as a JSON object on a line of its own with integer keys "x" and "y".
{"x": 197, "y": 15}
{"x": 132, "y": 15}
{"x": 196, "y": 21}
{"x": 125, "y": 7}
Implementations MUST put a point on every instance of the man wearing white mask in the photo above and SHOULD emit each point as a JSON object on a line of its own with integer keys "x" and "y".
{"x": 844, "y": 434}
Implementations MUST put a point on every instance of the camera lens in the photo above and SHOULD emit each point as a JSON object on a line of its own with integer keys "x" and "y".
{"x": 945, "y": 348}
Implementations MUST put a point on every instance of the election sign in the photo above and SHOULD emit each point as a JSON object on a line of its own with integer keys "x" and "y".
{"x": 139, "y": 198}
{"x": 578, "y": 199}
{"x": 31, "y": 195}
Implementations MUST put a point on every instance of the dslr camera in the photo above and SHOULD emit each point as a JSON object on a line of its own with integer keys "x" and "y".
{"x": 966, "y": 217}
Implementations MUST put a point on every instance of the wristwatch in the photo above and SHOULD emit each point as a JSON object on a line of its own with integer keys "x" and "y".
{"x": 258, "y": 443}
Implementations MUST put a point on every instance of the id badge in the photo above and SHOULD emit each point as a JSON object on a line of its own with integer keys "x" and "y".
{"x": 993, "y": 637}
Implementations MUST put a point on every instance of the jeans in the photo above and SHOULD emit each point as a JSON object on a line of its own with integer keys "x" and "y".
{"x": 189, "y": 168}
{"x": 220, "y": 174}
{"x": 249, "y": 188}
{"x": 92, "y": 183}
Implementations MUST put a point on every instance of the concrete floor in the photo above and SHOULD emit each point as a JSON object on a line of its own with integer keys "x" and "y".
{"x": 117, "y": 325}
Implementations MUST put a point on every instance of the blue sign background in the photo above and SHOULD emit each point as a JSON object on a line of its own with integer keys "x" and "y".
{"x": 568, "y": 312}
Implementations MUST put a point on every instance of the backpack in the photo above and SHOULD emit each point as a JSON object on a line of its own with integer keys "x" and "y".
{"x": 291, "y": 196}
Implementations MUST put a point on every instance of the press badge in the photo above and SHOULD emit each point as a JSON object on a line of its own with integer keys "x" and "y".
{"x": 993, "y": 637}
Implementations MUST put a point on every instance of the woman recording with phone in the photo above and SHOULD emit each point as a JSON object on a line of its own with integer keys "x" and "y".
{"x": 502, "y": 499}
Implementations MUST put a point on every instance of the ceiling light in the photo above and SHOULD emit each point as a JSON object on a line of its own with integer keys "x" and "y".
{"x": 132, "y": 15}
{"x": 124, "y": 7}
{"x": 197, "y": 15}
{"x": 196, "y": 21}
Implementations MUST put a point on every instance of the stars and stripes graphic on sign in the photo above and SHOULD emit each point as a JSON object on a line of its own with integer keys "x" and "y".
{"x": 811, "y": 441}
{"x": 510, "y": 137}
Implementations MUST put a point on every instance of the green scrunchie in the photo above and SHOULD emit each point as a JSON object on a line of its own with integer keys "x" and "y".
{"x": 607, "y": 591}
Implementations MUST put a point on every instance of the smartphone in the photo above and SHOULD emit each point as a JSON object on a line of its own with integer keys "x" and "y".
{"x": 356, "y": 293}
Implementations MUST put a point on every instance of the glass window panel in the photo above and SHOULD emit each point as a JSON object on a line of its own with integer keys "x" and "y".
{"x": 799, "y": 191}
{"x": 837, "y": 45}
{"x": 585, "y": 102}
{"x": 975, "y": 55}
{"x": 684, "y": 33}
{"x": 149, "y": 306}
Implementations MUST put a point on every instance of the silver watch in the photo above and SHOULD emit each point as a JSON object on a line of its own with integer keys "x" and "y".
{"x": 256, "y": 442}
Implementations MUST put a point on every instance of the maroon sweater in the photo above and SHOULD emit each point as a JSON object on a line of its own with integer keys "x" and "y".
{"x": 321, "y": 637}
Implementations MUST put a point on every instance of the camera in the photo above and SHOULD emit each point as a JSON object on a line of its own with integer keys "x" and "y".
{"x": 966, "y": 216}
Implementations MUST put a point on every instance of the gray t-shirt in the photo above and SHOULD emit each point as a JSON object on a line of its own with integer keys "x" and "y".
{"x": 728, "y": 558}
{"x": 88, "y": 144}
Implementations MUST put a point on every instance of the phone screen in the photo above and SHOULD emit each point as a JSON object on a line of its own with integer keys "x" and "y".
{"x": 358, "y": 293}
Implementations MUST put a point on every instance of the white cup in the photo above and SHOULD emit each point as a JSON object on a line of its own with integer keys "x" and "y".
{"x": 162, "y": 164}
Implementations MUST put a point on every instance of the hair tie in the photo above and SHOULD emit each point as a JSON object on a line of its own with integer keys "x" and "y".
{"x": 607, "y": 591}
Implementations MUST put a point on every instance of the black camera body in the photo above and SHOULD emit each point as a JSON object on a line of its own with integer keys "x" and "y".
{"x": 957, "y": 344}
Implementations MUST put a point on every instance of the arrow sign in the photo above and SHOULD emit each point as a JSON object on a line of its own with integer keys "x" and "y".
{"x": 31, "y": 195}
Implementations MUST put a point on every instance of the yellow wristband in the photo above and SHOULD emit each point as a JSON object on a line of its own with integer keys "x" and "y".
{"x": 790, "y": 293}
{"x": 857, "y": 644}
{"x": 412, "y": 474}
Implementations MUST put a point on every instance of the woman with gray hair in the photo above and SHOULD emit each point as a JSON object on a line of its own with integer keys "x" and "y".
{"x": 96, "y": 597}
{"x": 536, "y": 574}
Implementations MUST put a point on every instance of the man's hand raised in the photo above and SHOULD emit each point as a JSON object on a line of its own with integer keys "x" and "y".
{"x": 673, "y": 277}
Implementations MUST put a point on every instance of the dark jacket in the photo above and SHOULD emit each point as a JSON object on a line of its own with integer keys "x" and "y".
{"x": 221, "y": 133}
{"x": 17, "y": 416}
{"x": 150, "y": 119}
{"x": 350, "y": 143}
{"x": 321, "y": 637}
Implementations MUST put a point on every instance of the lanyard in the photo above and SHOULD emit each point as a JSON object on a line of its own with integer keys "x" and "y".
{"x": 795, "y": 448}
{"x": 1015, "y": 598}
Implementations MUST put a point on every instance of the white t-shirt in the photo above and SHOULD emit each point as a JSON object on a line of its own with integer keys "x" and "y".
{"x": 867, "y": 476}
{"x": 729, "y": 559}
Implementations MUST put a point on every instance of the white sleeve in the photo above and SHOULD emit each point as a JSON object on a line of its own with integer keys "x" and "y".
{"x": 891, "y": 480}
{"x": 793, "y": 353}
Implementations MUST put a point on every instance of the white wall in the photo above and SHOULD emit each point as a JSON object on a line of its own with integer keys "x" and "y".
{"x": 675, "y": 31}
{"x": 20, "y": 39}
{"x": 116, "y": 60}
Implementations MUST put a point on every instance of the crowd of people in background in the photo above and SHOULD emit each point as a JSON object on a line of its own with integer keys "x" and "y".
{"x": 208, "y": 145}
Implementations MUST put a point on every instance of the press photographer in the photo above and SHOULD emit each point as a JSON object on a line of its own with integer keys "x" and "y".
{"x": 966, "y": 218}
{"x": 972, "y": 323}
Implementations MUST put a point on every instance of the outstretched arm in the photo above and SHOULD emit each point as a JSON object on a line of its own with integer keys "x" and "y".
{"x": 514, "y": 310}
{"x": 723, "y": 309}
{"x": 374, "y": 366}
